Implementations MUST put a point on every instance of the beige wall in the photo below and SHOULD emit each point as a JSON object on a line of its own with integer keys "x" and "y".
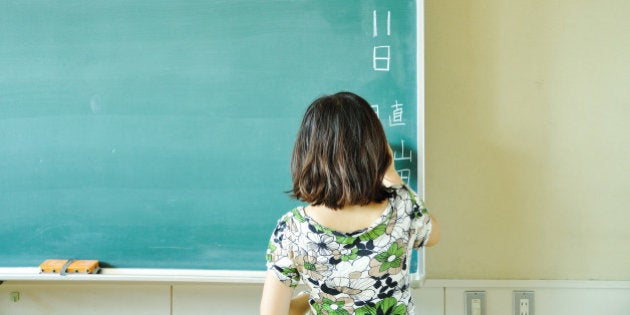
{"x": 528, "y": 138}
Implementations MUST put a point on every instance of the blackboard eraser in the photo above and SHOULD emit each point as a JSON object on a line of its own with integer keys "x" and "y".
{"x": 65, "y": 266}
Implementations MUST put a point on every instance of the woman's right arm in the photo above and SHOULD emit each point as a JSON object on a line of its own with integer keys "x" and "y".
{"x": 434, "y": 236}
{"x": 392, "y": 178}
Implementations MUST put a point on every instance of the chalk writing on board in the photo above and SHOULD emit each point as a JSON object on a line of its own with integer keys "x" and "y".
{"x": 381, "y": 55}
{"x": 402, "y": 156}
{"x": 375, "y": 23}
{"x": 381, "y": 58}
{"x": 396, "y": 119}
{"x": 381, "y": 61}
{"x": 375, "y": 108}
{"x": 405, "y": 175}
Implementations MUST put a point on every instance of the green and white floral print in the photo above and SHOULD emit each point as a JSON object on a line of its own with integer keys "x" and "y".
{"x": 365, "y": 272}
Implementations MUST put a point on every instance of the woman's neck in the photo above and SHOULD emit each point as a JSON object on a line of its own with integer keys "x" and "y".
{"x": 349, "y": 218}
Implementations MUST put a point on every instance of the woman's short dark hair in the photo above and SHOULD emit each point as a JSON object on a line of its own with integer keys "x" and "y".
{"x": 340, "y": 154}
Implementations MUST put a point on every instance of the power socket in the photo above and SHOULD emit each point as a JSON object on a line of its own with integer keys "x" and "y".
{"x": 475, "y": 302}
{"x": 523, "y": 302}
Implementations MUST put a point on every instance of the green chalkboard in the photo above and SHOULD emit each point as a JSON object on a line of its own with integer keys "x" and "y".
{"x": 157, "y": 134}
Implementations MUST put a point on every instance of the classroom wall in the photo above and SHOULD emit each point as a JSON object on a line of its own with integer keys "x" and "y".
{"x": 527, "y": 145}
{"x": 526, "y": 169}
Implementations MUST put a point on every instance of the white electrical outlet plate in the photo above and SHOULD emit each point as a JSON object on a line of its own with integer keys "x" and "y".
{"x": 523, "y": 302}
{"x": 475, "y": 302}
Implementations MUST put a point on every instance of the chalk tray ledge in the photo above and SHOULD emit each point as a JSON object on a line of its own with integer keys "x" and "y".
{"x": 137, "y": 275}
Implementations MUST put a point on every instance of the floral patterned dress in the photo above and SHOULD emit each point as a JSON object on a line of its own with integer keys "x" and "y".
{"x": 364, "y": 272}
